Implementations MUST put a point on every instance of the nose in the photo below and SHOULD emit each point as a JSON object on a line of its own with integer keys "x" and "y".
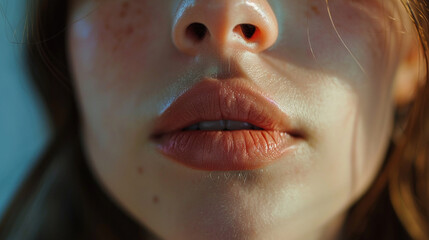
{"x": 249, "y": 25}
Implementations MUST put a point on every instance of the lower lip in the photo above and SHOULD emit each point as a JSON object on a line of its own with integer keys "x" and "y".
{"x": 225, "y": 150}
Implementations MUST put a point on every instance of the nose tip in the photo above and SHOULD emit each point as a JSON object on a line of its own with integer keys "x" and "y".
{"x": 250, "y": 25}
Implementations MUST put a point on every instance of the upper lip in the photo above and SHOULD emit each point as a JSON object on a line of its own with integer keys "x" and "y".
{"x": 231, "y": 99}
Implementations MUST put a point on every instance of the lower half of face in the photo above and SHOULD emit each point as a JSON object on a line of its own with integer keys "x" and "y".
{"x": 329, "y": 71}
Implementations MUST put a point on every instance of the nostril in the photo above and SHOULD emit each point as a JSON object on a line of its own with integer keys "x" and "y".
{"x": 248, "y": 30}
{"x": 196, "y": 31}
{"x": 203, "y": 26}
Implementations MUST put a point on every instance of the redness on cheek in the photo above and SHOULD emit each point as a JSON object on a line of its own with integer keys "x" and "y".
{"x": 140, "y": 170}
{"x": 155, "y": 199}
{"x": 123, "y": 25}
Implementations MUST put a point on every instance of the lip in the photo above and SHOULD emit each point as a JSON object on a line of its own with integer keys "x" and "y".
{"x": 232, "y": 99}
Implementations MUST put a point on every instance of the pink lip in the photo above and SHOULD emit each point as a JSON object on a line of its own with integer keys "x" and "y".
{"x": 233, "y": 99}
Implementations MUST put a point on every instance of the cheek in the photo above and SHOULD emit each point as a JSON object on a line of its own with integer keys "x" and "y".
{"x": 118, "y": 36}
{"x": 340, "y": 38}
{"x": 121, "y": 27}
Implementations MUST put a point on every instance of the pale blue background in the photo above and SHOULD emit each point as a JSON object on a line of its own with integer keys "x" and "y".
{"x": 23, "y": 127}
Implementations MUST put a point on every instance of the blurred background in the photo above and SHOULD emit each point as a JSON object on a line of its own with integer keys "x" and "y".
{"x": 23, "y": 127}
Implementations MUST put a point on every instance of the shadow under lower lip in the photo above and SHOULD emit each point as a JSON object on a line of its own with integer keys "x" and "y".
{"x": 225, "y": 150}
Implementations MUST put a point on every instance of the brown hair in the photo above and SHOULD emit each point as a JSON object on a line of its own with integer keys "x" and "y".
{"x": 395, "y": 207}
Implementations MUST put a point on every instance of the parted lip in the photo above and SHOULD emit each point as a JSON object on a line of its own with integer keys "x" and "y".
{"x": 231, "y": 99}
{"x": 213, "y": 100}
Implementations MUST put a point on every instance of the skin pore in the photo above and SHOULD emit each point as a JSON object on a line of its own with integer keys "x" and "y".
{"x": 332, "y": 67}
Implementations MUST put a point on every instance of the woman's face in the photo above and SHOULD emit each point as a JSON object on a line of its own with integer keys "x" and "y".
{"x": 318, "y": 75}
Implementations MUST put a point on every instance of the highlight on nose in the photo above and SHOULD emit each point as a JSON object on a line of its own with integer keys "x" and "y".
{"x": 200, "y": 24}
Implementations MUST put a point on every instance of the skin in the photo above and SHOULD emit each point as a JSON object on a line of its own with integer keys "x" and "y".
{"x": 334, "y": 77}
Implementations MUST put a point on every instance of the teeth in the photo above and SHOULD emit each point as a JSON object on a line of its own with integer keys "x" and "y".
{"x": 192, "y": 128}
{"x": 212, "y": 125}
{"x": 236, "y": 125}
{"x": 222, "y": 125}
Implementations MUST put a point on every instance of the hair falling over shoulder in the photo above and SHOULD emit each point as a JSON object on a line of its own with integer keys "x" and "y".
{"x": 395, "y": 207}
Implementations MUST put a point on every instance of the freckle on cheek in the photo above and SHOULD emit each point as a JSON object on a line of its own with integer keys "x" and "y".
{"x": 129, "y": 30}
{"x": 124, "y": 10}
{"x": 315, "y": 10}
{"x": 107, "y": 26}
{"x": 123, "y": 24}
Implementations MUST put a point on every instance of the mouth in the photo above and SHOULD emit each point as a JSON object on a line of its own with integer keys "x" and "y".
{"x": 224, "y": 126}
